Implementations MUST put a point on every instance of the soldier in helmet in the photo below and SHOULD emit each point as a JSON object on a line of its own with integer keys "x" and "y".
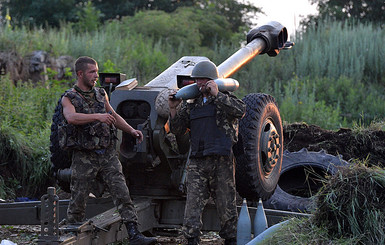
{"x": 213, "y": 122}
{"x": 92, "y": 138}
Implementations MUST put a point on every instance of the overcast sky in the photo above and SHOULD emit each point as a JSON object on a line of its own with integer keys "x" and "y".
{"x": 288, "y": 13}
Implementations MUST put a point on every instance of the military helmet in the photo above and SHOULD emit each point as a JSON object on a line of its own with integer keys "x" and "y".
{"x": 205, "y": 69}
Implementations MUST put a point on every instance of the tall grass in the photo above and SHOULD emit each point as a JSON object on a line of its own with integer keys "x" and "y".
{"x": 332, "y": 50}
{"x": 133, "y": 54}
{"x": 333, "y": 76}
{"x": 25, "y": 120}
{"x": 352, "y": 204}
{"x": 336, "y": 49}
{"x": 300, "y": 102}
{"x": 330, "y": 103}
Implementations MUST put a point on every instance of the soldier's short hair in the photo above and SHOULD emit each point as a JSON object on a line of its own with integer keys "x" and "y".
{"x": 81, "y": 63}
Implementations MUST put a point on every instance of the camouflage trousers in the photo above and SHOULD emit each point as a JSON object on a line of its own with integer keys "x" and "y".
{"x": 86, "y": 165}
{"x": 211, "y": 176}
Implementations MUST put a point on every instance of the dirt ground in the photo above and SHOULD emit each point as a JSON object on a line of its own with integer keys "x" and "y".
{"x": 29, "y": 234}
{"x": 369, "y": 145}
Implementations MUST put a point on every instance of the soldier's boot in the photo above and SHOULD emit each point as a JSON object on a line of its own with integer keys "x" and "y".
{"x": 193, "y": 241}
{"x": 137, "y": 238}
{"x": 231, "y": 241}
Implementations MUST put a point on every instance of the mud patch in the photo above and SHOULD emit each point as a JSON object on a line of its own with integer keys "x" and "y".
{"x": 368, "y": 145}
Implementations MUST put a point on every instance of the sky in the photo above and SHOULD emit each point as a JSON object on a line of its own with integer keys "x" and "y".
{"x": 288, "y": 13}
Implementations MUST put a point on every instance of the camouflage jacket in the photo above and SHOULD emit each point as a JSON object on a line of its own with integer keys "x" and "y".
{"x": 91, "y": 136}
{"x": 229, "y": 109}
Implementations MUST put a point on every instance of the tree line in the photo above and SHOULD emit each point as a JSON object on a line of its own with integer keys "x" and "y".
{"x": 53, "y": 12}
{"x": 237, "y": 12}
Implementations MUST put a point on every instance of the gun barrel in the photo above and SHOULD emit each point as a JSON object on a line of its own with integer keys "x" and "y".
{"x": 241, "y": 57}
{"x": 269, "y": 38}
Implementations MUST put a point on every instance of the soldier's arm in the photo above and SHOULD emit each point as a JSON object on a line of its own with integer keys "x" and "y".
{"x": 230, "y": 104}
{"x": 76, "y": 118}
{"x": 121, "y": 124}
{"x": 180, "y": 122}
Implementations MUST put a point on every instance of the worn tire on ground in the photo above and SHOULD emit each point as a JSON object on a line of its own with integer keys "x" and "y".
{"x": 258, "y": 152}
{"x": 301, "y": 177}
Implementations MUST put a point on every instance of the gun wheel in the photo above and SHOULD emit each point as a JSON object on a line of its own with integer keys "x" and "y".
{"x": 259, "y": 150}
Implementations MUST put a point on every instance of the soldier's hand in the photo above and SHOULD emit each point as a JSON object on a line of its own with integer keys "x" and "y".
{"x": 212, "y": 87}
{"x": 107, "y": 118}
{"x": 172, "y": 102}
{"x": 137, "y": 134}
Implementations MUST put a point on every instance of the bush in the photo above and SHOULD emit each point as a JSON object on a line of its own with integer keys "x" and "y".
{"x": 352, "y": 204}
{"x": 356, "y": 100}
{"x": 25, "y": 119}
{"x": 299, "y": 102}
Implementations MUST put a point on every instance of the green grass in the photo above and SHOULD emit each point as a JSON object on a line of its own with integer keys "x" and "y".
{"x": 349, "y": 210}
{"x": 303, "y": 231}
{"x": 25, "y": 120}
{"x": 352, "y": 204}
{"x": 332, "y": 77}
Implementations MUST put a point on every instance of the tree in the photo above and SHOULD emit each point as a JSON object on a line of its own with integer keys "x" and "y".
{"x": 89, "y": 18}
{"x": 239, "y": 13}
{"x": 115, "y": 9}
{"x": 40, "y": 12}
{"x": 192, "y": 26}
{"x": 341, "y": 10}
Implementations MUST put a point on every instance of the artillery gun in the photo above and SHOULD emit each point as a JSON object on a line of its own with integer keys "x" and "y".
{"x": 155, "y": 169}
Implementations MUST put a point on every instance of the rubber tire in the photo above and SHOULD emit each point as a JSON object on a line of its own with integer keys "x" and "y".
{"x": 60, "y": 159}
{"x": 161, "y": 103}
{"x": 252, "y": 179}
{"x": 298, "y": 161}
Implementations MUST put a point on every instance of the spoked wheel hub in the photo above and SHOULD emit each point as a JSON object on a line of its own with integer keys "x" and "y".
{"x": 270, "y": 147}
{"x": 259, "y": 151}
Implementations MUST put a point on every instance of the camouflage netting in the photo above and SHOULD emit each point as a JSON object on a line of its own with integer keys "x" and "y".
{"x": 352, "y": 203}
{"x": 33, "y": 66}
{"x": 12, "y": 64}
